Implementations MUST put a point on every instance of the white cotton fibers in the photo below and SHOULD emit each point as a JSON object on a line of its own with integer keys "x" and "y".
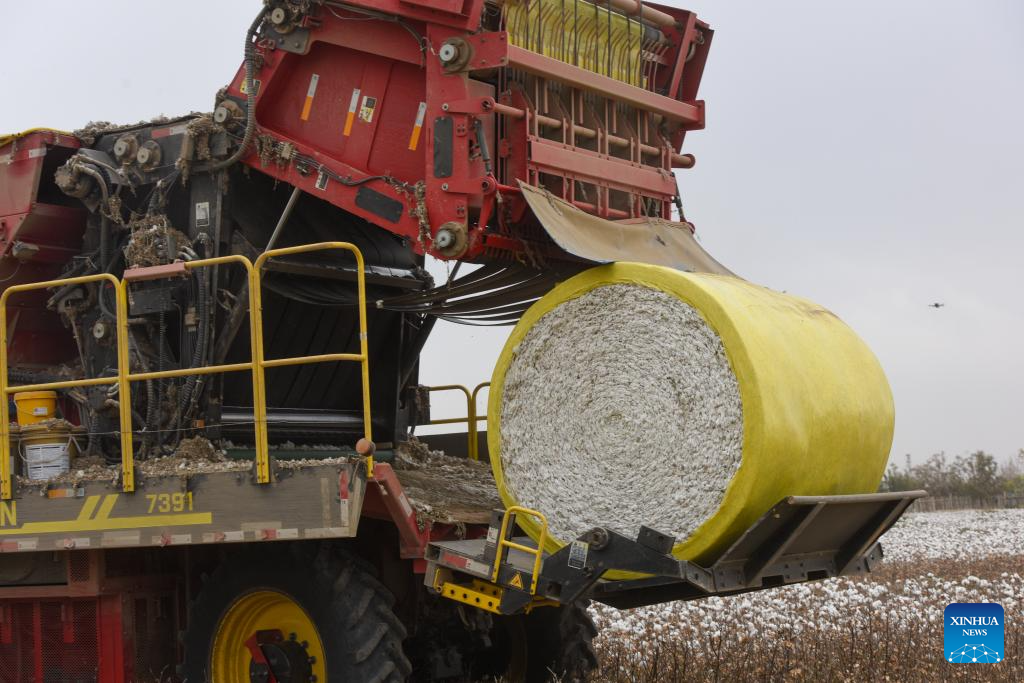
{"x": 620, "y": 408}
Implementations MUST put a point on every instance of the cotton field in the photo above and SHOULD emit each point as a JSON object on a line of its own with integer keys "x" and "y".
{"x": 887, "y": 626}
{"x": 964, "y": 534}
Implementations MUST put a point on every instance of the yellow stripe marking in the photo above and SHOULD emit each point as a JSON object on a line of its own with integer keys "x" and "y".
{"x": 141, "y": 522}
{"x": 88, "y": 507}
{"x": 103, "y": 521}
{"x": 107, "y": 506}
{"x": 310, "y": 94}
{"x": 351, "y": 116}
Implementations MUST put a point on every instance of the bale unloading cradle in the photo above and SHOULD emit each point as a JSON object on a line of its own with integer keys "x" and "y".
{"x": 690, "y": 402}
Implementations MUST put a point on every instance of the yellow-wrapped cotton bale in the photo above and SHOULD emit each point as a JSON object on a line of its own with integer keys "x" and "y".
{"x": 688, "y": 402}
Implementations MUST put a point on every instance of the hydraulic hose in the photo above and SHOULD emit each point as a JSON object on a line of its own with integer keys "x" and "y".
{"x": 250, "y": 96}
{"x": 199, "y": 352}
{"x": 193, "y": 386}
{"x": 152, "y": 414}
{"x": 104, "y": 239}
{"x": 98, "y": 177}
{"x": 158, "y": 199}
{"x": 104, "y": 221}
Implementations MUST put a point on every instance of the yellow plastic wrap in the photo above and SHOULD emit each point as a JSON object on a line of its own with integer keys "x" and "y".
{"x": 817, "y": 410}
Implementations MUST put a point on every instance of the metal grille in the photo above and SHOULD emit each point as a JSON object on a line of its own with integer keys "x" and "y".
{"x": 70, "y": 650}
{"x": 155, "y": 643}
{"x": 49, "y": 641}
{"x": 16, "y": 651}
{"x": 78, "y": 567}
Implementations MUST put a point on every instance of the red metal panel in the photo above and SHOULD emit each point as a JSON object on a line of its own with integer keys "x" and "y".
{"x": 36, "y": 335}
{"x": 381, "y": 38}
{"x": 285, "y": 84}
{"x": 687, "y": 36}
{"x": 444, "y": 88}
{"x": 606, "y": 171}
{"x": 112, "y": 655}
{"x": 384, "y": 494}
{"x": 437, "y": 11}
{"x": 6, "y": 625}
{"x": 309, "y": 100}
{"x": 20, "y": 179}
{"x": 22, "y": 216}
{"x": 55, "y": 230}
{"x": 168, "y": 270}
{"x": 450, "y": 6}
{"x": 377, "y": 98}
{"x": 37, "y": 638}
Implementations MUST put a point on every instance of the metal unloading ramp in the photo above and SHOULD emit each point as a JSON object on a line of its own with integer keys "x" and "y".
{"x": 801, "y": 538}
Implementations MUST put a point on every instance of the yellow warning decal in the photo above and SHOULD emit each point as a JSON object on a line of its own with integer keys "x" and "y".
{"x": 517, "y": 581}
{"x": 256, "y": 83}
{"x": 366, "y": 111}
{"x": 414, "y": 139}
{"x": 351, "y": 116}
{"x": 310, "y": 94}
{"x": 102, "y": 521}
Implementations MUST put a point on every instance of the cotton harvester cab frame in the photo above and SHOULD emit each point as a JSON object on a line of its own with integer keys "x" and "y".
{"x": 256, "y": 277}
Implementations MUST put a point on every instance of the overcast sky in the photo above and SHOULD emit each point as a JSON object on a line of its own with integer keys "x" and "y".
{"x": 869, "y": 157}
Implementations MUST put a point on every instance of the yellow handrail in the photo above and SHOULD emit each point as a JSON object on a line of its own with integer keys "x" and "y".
{"x": 257, "y": 363}
{"x": 471, "y": 419}
{"x": 363, "y": 357}
{"x": 451, "y": 420}
{"x": 120, "y": 379}
{"x": 504, "y": 544}
{"x": 127, "y": 452}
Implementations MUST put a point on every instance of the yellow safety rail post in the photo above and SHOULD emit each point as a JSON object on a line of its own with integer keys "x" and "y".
{"x": 473, "y": 447}
{"x": 363, "y": 357}
{"x": 124, "y": 395}
{"x": 504, "y": 544}
{"x": 124, "y": 391}
{"x": 127, "y": 457}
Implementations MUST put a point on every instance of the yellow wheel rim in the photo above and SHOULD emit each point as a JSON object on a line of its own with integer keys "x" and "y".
{"x": 262, "y": 610}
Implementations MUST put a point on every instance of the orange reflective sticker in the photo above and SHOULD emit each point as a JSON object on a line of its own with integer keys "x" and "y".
{"x": 310, "y": 94}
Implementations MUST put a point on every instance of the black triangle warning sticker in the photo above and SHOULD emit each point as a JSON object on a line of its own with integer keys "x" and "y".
{"x": 517, "y": 581}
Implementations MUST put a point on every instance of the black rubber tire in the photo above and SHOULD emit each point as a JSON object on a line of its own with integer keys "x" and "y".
{"x": 560, "y": 644}
{"x": 361, "y": 636}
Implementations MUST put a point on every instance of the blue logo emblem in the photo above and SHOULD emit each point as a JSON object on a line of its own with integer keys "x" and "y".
{"x": 973, "y": 632}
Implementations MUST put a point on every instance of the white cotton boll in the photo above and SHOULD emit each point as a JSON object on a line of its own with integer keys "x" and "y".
{"x": 644, "y": 426}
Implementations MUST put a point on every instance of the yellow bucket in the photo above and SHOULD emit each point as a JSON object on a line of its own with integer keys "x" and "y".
{"x": 35, "y": 406}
